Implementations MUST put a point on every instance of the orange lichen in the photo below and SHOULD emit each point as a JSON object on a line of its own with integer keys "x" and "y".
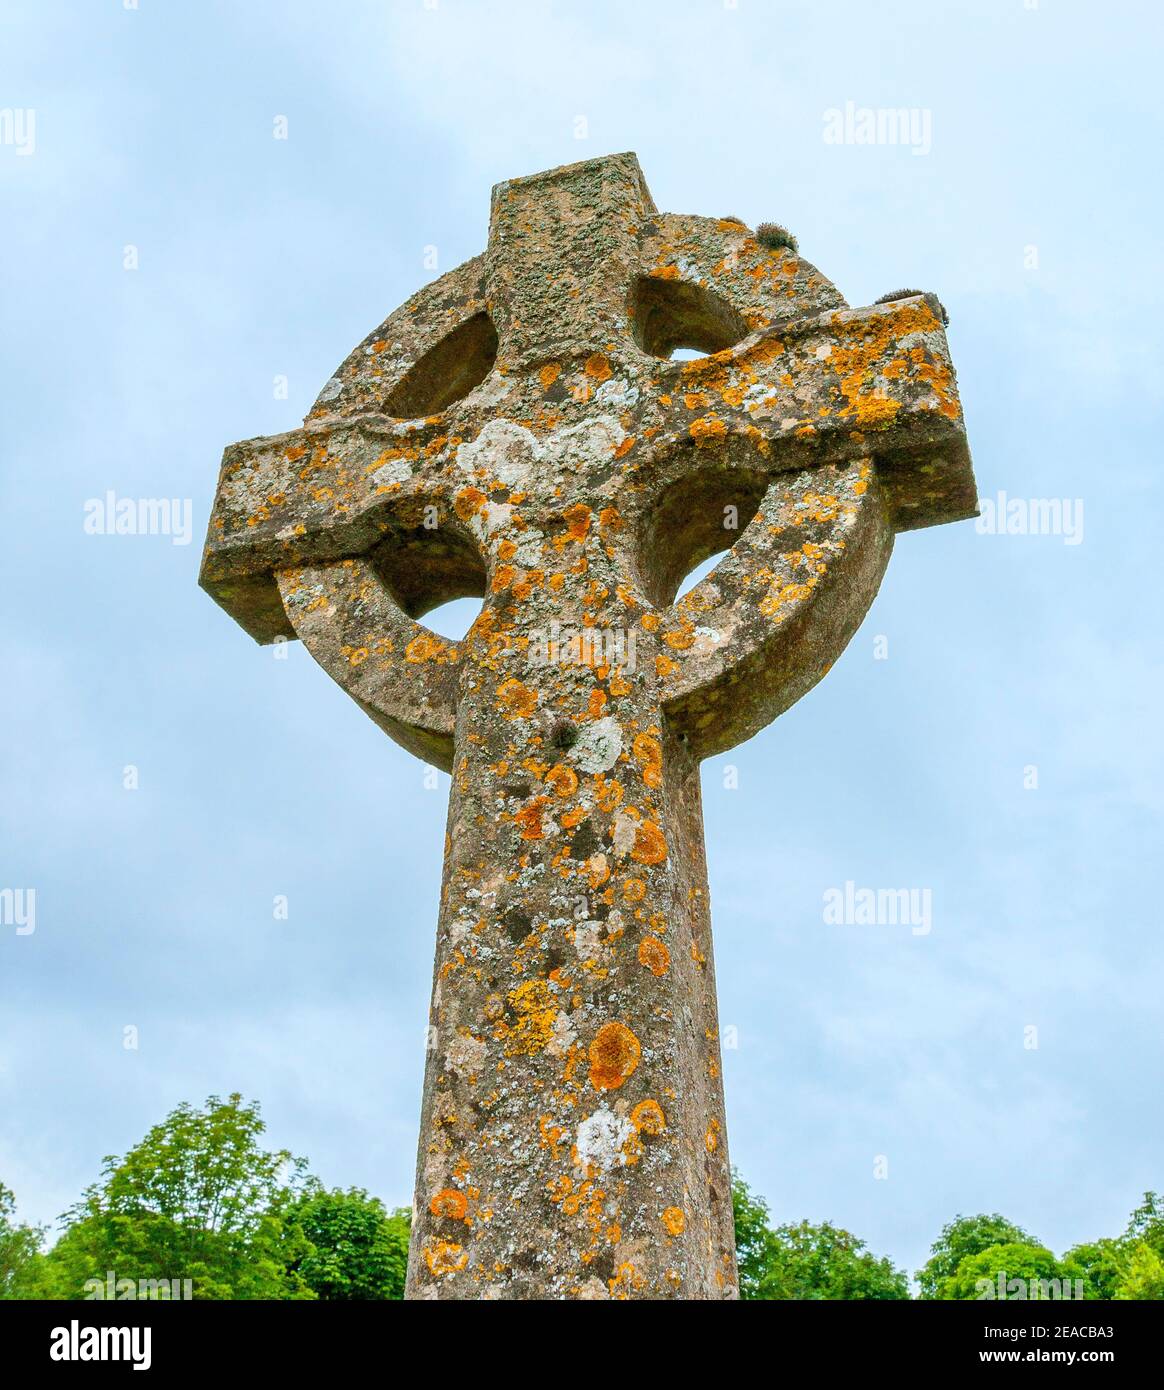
{"x": 647, "y": 1118}
{"x": 530, "y": 819}
{"x": 445, "y": 1258}
{"x": 654, "y": 955}
{"x": 707, "y": 428}
{"x": 450, "y": 1204}
{"x": 515, "y": 700}
{"x": 577, "y": 519}
{"x": 650, "y": 846}
{"x": 614, "y": 1054}
{"x": 549, "y": 374}
{"x": 563, "y": 779}
{"x": 649, "y": 755}
{"x": 597, "y": 367}
{"x": 674, "y": 1220}
{"x": 425, "y": 646}
{"x": 468, "y": 502}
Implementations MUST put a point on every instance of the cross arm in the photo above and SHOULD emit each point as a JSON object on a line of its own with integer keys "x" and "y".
{"x": 873, "y": 383}
{"x": 331, "y": 489}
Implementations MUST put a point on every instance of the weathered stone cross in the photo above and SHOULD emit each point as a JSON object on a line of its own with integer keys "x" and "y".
{"x": 517, "y": 431}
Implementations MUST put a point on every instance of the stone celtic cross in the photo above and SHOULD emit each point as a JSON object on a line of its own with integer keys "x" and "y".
{"x": 517, "y": 431}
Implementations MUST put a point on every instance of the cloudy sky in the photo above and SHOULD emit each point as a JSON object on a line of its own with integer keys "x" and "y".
{"x": 166, "y": 260}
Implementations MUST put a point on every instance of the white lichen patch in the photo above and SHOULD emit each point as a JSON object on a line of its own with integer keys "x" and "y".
{"x": 563, "y": 1036}
{"x": 465, "y": 1055}
{"x": 583, "y": 446}
{"x": 395, "y": 471}
{"x": 598, "y": 746}
{"x": 505, "y": 450}
{"x": 600, "y": 1139}
{"x": 624, "y": 834}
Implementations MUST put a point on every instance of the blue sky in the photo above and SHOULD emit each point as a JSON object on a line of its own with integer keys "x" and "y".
{"x": 1034, "y": 214}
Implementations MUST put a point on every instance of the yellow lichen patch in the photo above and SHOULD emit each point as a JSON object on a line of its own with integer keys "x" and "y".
{"x": 649, "y": 755}
{"x": 563, "y": 779}
{"x": 449, "y": 1204}
{"x": 654, "y": 955}
{"x": 650, "y": 846}
{"x": 534, "y": 1026}
{"x": 614, "y": 1055}
{"x": 597, "y": 367}
{"x": 707, "y": 429}
{"x": 664, "y": 666}
{"x": 549, "y": 374}
{"x": 607, "y": 792}
{"x": 683, "y": 638}
{"x": 426, "y": 646}
{"x": 627, "y": 1280}
{"x": 647, "y": 1118}
{"x": 445, "y": 1258}
{"x": 502, "y": 578}
{"x": 674, "y": 1220}
{"x": 711, "y": 1138}
{"x": 515, "y": 700}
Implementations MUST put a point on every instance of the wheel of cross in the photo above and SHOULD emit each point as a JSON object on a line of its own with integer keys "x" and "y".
{"x": 518, "y": 430}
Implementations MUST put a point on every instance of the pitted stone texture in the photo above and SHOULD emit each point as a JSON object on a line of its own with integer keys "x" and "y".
{"x": 573, "y": 1140}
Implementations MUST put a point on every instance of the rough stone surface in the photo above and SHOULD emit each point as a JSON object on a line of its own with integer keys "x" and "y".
{"x": 517, "y": 431}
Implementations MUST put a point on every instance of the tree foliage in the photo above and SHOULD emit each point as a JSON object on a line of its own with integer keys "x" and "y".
{"x": 1029, "y": 1266}
{"x": 804, "y": 1261}
{"x": 355, "y": 1249}
{"x": 20, "y": 1255}
{"x": 962, "y": 1238}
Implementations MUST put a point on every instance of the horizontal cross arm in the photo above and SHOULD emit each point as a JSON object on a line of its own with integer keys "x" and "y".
{"x": 872, "y": 383}
{"x": 331, "y": 489}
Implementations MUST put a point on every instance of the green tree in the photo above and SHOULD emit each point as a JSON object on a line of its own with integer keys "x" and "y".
{"x": 962, "y": 1237}
{"x": 804, "y": 1261}
{"x": 1144, "y": 1276}
{"x": 355, "y": 1249}
{"x": 977, "y": 1275}
{"x": 1100, "y": 1264}
{"x": 20, "y": 1256}
{"x": 200, "y": 1199}
{"x": 753, "y": 1237}
{"x": 1146, "y": 1225}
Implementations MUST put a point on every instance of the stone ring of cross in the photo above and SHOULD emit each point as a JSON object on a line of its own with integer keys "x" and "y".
{"x": 519, "y": 431}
